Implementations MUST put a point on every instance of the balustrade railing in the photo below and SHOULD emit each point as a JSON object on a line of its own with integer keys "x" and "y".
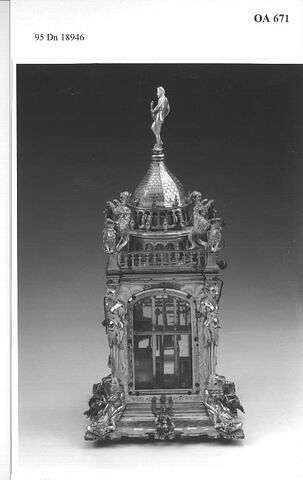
{"x": 158, "y": 219}
{"x": 161, "y": 259}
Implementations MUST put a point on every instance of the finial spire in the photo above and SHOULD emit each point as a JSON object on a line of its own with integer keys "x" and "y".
{"x": 159, "y": 113}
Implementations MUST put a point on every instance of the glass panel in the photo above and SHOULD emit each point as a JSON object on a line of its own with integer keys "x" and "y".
{"x": 168, "y": 306}
{"x": 185, "y": 364}
{"x": 143, "y": 362}
{"x": 173, "y": 362}
{"x": 165, "y": 312}
{"x": 143, "y": 315}
{"x": 162, "y": 355}
{"x": 168, "y": 355}
{"x": 183, "y": 314}
{"x": 159, "y": 313}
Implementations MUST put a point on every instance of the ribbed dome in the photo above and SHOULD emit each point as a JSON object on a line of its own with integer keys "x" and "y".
{"x": 159, "y": 188}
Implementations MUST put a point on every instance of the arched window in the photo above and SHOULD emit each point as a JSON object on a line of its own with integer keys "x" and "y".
{"x": 170, "y": 218}
{"x": 162, "y": 217}
{"x": 155, "y": 219}
{"x": 162, "y": 342}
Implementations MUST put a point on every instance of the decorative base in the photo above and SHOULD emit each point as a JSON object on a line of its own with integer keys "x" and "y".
{"x": 222, "y": 403}
{"x": 105, "y": 409}
{"x": 164, "y": 418}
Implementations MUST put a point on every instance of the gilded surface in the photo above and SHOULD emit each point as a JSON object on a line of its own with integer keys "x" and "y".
{"x": 162, "y": 242}
{"x": 222, "y": 404}
{"x": 209, "y": 310}
{"x": 214, "y": 234}
{"x": 115, "y": 322}
{"x": 163, "y": 413}
{"x": 203, "y": 211}
{"x": 159, "y": 113}
{"x": 106, "y": 407}
{"x": 160, "y": 188}
{"x": 117, "y": 222}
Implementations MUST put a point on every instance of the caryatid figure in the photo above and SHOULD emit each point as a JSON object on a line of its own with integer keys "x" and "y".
{"x": 115, "y": 322}
{"x": 159, "y": 113}
{"x": 210, "y": 310}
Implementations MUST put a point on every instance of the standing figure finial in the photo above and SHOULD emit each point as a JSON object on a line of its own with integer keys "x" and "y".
{"x": 158, "y": 114}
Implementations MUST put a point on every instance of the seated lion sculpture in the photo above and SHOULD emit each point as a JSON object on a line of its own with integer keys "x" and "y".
{"x": 118, "y": 219}
{"x": 203, "y": 211}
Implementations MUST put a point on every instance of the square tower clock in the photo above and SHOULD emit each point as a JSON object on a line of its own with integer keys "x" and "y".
{"x": 162, "y": 313}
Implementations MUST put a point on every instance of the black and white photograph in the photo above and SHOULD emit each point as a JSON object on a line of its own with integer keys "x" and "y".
{"x": 151, "y": 239}
{"x": 158, "y": 208}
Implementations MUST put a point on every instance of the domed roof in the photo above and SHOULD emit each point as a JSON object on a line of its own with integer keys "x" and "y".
{"x": 159, "y": 188}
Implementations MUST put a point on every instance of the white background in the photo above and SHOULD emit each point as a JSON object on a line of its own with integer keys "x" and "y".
{"x": 4, "y": 243}
{"x": 142, "y": 31}
{"x": 157, "y": 31}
